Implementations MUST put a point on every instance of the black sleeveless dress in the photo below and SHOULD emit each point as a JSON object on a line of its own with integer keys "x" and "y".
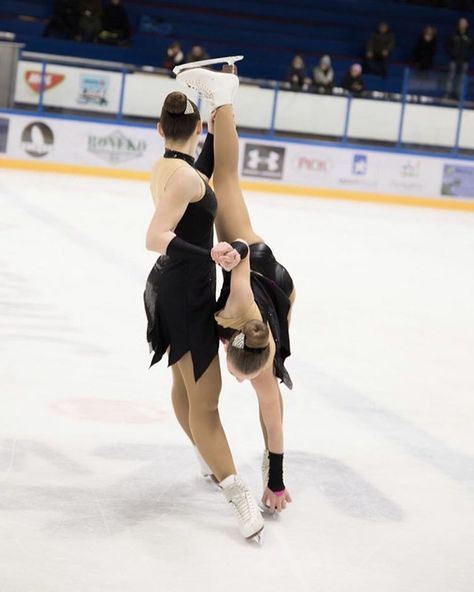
{"x": 180, "y": 295}
{"x": 271, "y": 286}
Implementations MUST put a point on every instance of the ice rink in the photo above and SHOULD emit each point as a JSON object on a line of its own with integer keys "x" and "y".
{"x": 99, "y": 489}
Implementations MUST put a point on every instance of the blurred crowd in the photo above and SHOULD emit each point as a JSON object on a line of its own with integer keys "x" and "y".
{"x": 89, "y": 21}
{"x": 321, "y": 78}
{"x": 459, "y": 47}
{"x": 107, "y": 22}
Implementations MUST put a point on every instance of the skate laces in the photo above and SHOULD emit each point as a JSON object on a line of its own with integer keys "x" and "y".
{"x": 242, "y": 501}
{"x": 201, "y": 87}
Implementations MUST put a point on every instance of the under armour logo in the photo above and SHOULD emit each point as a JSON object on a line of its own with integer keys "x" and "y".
{"x": 261, "y": 160}
{"x": 255, "y": 159}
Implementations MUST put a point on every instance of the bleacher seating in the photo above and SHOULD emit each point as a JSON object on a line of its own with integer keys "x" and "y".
{"x": 268, "y": 32}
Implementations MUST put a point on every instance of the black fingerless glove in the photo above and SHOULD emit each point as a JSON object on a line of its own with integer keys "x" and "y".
{"x": 205, "y": 161}
{"x": 181, "y": 249}
{"x": 241, "y": 248}
{"x": 275, "y": 476}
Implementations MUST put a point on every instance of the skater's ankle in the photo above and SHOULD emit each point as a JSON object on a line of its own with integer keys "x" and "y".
{"x": 229, "y": 480}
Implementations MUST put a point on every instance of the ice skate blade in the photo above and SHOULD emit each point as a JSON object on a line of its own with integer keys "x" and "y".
{"x": 191, "y": 65}
{"x": 210, "y": 478}
{"x": 257, "y": 537}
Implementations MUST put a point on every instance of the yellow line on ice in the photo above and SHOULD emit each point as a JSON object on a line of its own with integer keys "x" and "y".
{"x": 262, "y": 186}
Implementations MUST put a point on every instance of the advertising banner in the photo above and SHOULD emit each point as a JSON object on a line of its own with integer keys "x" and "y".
{"x": 84, "y": 143}
{"x": 4, "y": 125}
{"x": 311, "y": 165}
{"x": 270, "y": 163}
{"x": 458, "y": 180}
{"x": 69, "y": 87}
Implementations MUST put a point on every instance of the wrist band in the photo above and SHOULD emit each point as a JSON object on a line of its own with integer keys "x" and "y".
{"x": 275, "y": 474}
{"x": 181, "y": 249}
{"x": 279, "y": 493}
{"x": 241, "y": 248}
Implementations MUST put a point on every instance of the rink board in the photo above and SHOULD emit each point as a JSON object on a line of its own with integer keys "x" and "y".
{"x": 56, "y": 144}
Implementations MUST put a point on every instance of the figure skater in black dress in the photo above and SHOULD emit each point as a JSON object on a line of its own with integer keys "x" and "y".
{"x": 180, "y": 296}
{"x": 255, "y": 304}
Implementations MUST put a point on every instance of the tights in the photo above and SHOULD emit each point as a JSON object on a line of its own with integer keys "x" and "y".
{"x": 196, "y": 407}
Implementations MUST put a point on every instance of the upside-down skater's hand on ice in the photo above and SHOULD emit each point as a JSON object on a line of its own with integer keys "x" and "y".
{"x": 276, "y": 502}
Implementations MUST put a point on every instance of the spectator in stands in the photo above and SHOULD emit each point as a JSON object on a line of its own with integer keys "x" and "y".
{"x": 323, "y": 75}
{"x": 197, "y": 54}
{"x": 379, "y": 46}
{"x": 89, "y": 19}
{"x": 63, "y": 22}
{"x": 115, "y": 24}
{"x": 353, "y": 81}
{"x": 459, "y": 48}
{"x": 174, "y": 56}
{"x": 297, "y": 76}
{"x": 425, "y": 49}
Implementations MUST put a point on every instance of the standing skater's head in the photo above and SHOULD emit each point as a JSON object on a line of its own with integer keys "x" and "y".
{"x": 180, "y": 123}
{"x": 248, "y": 350}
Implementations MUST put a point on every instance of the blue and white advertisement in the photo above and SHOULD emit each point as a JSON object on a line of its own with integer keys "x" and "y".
{"x": 458, "y": 180}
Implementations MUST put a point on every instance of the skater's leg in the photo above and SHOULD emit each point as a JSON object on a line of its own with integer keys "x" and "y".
{"x": 179, "y": 398}
{"x": 233, "y": 220}
{"x": 204, "y": 421}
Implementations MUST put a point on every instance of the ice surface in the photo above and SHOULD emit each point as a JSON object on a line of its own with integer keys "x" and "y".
{"x": 99, "y": 489}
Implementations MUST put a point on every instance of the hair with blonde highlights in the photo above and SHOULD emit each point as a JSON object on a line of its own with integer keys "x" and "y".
{"x": 253, "y": 356}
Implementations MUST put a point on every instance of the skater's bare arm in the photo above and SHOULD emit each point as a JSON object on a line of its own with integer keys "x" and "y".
{"x": 269, "y": 400}
{"x": 241, "y": 295}
{"x": 183, "y": 187}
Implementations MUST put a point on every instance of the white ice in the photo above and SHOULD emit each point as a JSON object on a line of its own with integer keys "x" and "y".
{"x": 99, "y": 489}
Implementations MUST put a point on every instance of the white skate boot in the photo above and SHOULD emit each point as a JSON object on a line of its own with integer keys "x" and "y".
{"x": 244, "y": 507}
{"x": 205, "y": 470}
{"x": 217, "y": 88}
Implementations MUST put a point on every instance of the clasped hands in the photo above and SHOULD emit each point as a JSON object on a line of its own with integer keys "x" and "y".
{"x": 225, "y": 255}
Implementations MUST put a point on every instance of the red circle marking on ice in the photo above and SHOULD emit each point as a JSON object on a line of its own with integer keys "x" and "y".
{"x": 108, "y": 410}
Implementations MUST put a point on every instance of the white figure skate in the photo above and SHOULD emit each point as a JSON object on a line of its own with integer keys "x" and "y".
{"x": 217, "y": 88}
{"x": 244, "y": 506}
{"x": 202, "y": 63}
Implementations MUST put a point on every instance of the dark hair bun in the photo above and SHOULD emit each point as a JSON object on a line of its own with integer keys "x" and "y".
{"x": 256, "y": 334}
{"x": 175, "y": 103}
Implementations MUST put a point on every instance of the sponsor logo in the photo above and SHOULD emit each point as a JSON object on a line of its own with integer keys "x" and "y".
{"x": 458, "y": 181}
{"x": 358, "y": 172}
{"x": 359, "y": 164}
{"x": 408, "y": 176}
{"x": 312, "y": 165}
{"x": 116, "y": 147}
{"x": 37, "y": 139}
{"x": 93, "y": 90}
{"x": 263, "y": 161}
{"x": 4, "y": 125}
{"x": 410, "y": 169}
{"x": 33, "y": 80}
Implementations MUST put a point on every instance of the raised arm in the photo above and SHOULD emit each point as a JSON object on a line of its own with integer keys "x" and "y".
{"x": 241, "y": 295}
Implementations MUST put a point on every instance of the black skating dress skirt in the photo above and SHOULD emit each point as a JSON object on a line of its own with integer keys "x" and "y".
{"x": 180, "y": 295}
{"x": 272, "y": 287}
